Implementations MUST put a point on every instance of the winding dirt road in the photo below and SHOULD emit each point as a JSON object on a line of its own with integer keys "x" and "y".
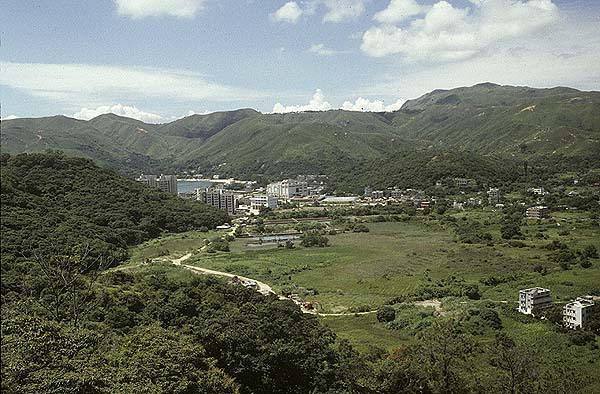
{"x": 261, "y": 287}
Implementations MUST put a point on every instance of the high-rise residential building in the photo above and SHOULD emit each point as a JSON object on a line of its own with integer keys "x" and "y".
{"x": 148, "y": 180}
{"x": 218, "y": 198}
{"x": 288, "y": 188}
{"x": 576, "y": 312}
{"x": 166, "y": 183}
{"x": 531, "y": 300}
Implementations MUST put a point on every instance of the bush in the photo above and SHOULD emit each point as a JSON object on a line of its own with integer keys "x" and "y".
{"x": 590, "y": 251}
{"x": 585, "y": 263}
{"x": 386, "y": 314}
{"x": 313, "y": 238}
{"x": 563, "y": 256}
{"x": 471, "y": 291}
{"x": 360, "y": 228}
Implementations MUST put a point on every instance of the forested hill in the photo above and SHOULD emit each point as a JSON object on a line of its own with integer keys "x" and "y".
{"x": 53, "y": 200}
{"x": 485, "y": 119}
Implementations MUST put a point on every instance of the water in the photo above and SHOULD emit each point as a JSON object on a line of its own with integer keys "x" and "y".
{"x": 262, "y": 244}
{"x": 272, "y": 240}
{"x": 281, "y": 237}
{"x": 190, "y": 186}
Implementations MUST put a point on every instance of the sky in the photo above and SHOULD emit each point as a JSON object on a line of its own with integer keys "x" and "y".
{"x": 159, "y": 60}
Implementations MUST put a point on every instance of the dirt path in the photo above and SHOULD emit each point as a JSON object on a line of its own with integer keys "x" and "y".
{"x": 345, "y": 313}
{"x": 261, "y": 287}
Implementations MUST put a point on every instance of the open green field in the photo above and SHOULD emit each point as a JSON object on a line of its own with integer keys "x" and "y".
{"x": 365, "y": 270}
{"x": 362, "y": 271}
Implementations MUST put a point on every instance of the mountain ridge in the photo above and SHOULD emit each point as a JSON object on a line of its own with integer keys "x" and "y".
{"x": 485, "y": 119}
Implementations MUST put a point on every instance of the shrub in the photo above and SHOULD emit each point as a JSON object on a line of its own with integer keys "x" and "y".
{"x": 471, "y": 291}
{"x": 313, "y": 238}
{"x": 585, "y": 263}
{"x": 590, "y": 251}
{"x": 386, "y": 314}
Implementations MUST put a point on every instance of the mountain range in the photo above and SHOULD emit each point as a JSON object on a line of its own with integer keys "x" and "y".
{"x": 484, "y": 122}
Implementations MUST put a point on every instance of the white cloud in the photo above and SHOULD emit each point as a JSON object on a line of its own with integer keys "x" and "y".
{"x": 399, "y": 10}
{"x": 319, "y": 103}
{"x": 343, "y": 10}
{"x": 190, "y": 113}
{"x": 118, "y": 109}
{"x": 322, "y": 50}
{"x": 336, "y": 10}
{"x": 84, "y": 84}
{"x": 10, "y": 117}
{"x": 366, "y": 105}
{"x": 290, "y": 12}
{"x": 447, "y": 33}
{"x": 143, "y": 8}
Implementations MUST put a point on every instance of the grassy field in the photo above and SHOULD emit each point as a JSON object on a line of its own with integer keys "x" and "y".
{"x": 362, "y": 271}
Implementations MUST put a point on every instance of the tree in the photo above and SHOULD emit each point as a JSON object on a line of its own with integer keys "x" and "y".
{"x": 153, "y": 359}
{"x": 515, "y": 367}
{"x": 444, "y": 351}
{"x": 386, "y": 314}
{"x": 590, "y": 251}
{"x": 510, "y": 230}
{"x": 313, "y": 238}
{"x": 68, "y": 294}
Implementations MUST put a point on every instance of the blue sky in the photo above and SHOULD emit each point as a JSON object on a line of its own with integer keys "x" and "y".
{"x": 157, "y": 60}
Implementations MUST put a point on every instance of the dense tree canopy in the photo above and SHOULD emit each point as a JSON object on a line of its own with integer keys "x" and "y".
{"x": 50, "y": 199}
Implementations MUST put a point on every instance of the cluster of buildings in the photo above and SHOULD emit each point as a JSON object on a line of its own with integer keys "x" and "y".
{"x": 412, "y": 196}
{"x": 308, "y": 189}
{"x": 250, "y": 201}
{"x": 575, "y": 313}
{"x": 166, "y": 183}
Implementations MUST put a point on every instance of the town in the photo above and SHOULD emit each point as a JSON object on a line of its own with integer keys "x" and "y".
{"x": 303, "y": 199}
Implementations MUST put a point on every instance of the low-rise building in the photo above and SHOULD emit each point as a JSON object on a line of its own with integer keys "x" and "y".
{"x": 377, "y": 194}
{"x": 263, "y": 201}
{"x": 576, "y": 312}
{"x": 537, "y": 212}
{"x": 288, "y": 188}
{"x": 494, "y": 195}
{"x": 397, "y": 193}
{"x": 534, "y": 299}
{"x": 465, "y": 182}
{"x": 539, "y": 191}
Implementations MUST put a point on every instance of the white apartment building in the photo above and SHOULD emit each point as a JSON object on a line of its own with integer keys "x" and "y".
{"x": 218, "y": 198}
{"x": 534, "y": 299}
{"x": 264, "y": 201}
{"x": 288, "y": 188}
{"x": 576, "y": 312}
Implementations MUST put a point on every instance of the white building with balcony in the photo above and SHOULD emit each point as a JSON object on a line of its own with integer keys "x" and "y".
{"x": 531, "y": 300}
{"x": 575, "y": 313}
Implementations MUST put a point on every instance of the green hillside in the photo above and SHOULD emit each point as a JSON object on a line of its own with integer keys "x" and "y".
{"x": 50, "y": 200}
{"x": 518, "y": 123}
{"x": 521, "y": 121}
{"x": 309, "y": 142}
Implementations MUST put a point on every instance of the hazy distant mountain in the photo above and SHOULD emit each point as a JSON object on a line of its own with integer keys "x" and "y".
{"x": 484, "y": 119}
